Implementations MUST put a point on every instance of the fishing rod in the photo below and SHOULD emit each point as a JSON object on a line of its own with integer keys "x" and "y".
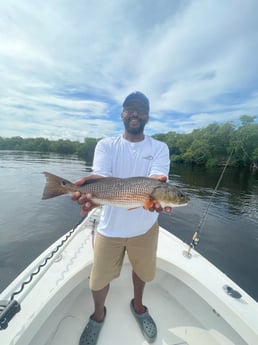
{"x": 197, "y": 233}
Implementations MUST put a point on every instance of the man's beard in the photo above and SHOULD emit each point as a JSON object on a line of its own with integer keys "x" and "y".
{"x": 134, "y": 130}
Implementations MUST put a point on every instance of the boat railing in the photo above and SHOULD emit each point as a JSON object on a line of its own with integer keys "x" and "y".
{"x": 12, "y": 297}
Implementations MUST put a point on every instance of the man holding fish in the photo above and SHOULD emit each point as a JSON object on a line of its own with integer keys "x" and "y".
{"x": 131, "y": 154}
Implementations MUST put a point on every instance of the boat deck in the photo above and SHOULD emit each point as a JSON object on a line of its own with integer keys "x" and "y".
{"x": 177, "y": 324}
{"x": 187, "y": 299}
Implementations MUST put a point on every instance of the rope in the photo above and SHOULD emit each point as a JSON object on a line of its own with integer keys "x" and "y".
{"x": 8, "y": 308}
{"x": 40, "y": 266}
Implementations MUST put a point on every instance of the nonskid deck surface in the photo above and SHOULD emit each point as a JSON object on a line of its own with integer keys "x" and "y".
{"x": 176, "y": 324}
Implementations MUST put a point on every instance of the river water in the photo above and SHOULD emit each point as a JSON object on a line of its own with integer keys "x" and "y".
{"x": 28, "y": 225}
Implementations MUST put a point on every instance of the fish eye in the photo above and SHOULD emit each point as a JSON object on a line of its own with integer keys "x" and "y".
{"x": 63, "y": 183}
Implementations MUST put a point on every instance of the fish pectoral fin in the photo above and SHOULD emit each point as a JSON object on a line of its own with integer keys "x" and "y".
{"x": 148, "y": 204}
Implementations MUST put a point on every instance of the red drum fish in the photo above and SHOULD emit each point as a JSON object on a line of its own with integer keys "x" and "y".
{"x": 128, "y": 193}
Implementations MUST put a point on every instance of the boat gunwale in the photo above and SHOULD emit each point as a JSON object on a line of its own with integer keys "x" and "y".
{"x": 171, "y": 260}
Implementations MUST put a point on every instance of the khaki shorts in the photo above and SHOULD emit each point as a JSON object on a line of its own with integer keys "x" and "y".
{"x": 109, "y": 254}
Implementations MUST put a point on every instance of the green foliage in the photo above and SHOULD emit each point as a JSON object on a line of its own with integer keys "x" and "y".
{"x": 255, "y": 155}
{"x": 86, "y": 150}
{"x": 208, "y": 146}
{"x": 64, "y": 146}
{"x": 212, "y": 145}
{"x": 246, "y": 141}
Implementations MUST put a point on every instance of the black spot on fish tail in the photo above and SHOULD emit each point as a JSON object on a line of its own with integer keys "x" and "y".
{"x": 55, "y": 186}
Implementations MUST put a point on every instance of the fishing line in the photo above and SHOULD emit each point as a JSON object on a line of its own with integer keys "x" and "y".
{"x": 204, "y": 217}
{"x": 253, "y": 164}
{"x": 196, "y": 236}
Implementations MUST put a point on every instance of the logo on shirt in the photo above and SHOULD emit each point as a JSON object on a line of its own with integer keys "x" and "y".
{"x": 149, "y": 158}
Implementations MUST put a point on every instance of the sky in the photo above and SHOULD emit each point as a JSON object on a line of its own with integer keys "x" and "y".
{"x": 66, "y": 66}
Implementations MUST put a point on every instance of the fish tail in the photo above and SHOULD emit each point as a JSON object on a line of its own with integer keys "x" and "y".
{"x": 55, "y": 186}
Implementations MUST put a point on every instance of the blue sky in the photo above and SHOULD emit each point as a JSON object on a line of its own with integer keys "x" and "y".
{"x": 66, "y": 66}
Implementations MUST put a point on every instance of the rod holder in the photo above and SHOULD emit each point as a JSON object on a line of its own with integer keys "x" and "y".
{"x": 192, "y": 245}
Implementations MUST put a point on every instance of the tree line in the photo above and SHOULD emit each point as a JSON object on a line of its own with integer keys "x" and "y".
{"x": 84, "y": 150}
{"x": 209, "y": 146}
{"x": 212, "y": 145}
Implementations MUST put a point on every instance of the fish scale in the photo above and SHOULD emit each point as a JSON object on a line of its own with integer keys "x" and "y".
{"x": 121, "y": 192}
{"x": 129, "y": 192}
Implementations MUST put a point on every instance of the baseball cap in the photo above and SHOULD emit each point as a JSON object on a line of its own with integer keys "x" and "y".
{"x": 137, "y": 96}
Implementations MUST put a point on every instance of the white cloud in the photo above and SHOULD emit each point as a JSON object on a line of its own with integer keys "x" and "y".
{"x": 64, "y": 60}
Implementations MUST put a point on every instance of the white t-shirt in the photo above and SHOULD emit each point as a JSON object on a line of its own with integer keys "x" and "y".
{"x": 118, "y": 157}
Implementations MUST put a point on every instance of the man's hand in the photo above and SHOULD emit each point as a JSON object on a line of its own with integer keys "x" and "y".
{"x": 84, "y": 200}
{"x": 156, "y": 205}
{"x": 86, "y": 203}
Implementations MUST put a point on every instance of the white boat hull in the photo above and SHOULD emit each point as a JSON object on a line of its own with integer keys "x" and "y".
{"x": 187, "y": 300}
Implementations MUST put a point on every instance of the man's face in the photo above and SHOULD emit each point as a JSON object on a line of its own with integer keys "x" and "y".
{"x": 135, "y": 116}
